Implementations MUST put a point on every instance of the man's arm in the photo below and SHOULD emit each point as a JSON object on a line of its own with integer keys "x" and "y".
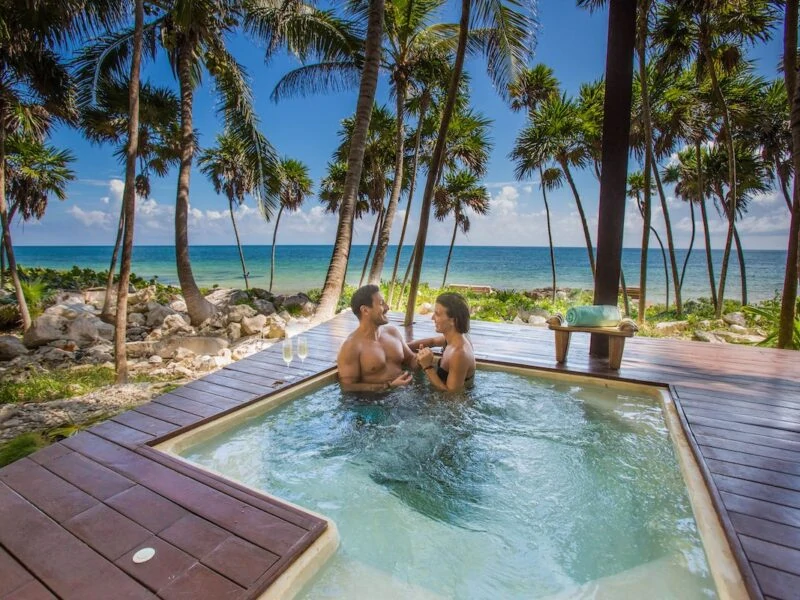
{"x": 409, "y": 357}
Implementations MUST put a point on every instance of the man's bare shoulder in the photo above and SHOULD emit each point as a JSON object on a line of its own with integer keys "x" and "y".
{"x": 350, "y": 346}
{"x": 392, "y": 331}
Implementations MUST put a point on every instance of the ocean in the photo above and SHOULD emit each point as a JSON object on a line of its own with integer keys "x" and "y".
{"x": 301, "y": 268}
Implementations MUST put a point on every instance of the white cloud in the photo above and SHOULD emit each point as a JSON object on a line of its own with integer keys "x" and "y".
{"x": 214, "y": 215}
{"x": 89, "y": 218}
{"x": 766, "y": 198}
{"x": 505, "y": 202}
{"x": 104, "y": 199}
{"x": 116, "y": 187}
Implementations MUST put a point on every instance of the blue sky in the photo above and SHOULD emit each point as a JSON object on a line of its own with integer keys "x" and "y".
{"x": 571, "y": 41}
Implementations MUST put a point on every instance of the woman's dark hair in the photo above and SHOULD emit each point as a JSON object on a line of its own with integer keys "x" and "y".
{"x": 457, "y": 309}
{"x": 363, "y": 297}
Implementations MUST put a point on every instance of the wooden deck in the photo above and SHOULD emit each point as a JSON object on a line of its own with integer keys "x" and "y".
{"x": 72, "y": 515}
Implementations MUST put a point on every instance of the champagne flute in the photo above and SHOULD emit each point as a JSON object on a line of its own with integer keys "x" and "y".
{"x": 302, "y": 348}
{"x": 287, "y": 351}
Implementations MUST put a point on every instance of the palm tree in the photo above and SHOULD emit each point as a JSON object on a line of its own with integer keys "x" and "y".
{"x": 789, "y": 295}
{"x": 226, "y": 166}
{"x": 129, "y": 196}
{"x": 34, "y": 91}
{"x": 460, "y": 192}
{"x": 530, "y": 88}
{"x": 554, "y": 133}
{"x": 193, "y": 33}
{"x": 636, "y": 183}
{"x": 296, "y": 186}
{"x": 714, "y": 32}
{"x": 157, "y": 146}
{"x": 774, "y": 137}
{"x": 334, "y": 279}
{"x": 505, "y": 40}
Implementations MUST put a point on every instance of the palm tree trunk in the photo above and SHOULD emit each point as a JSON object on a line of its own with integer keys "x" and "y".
{"x": 742, "y": 270}
{"x": 647, "y": 208}
{"x": 789, "y": 295}
{"x": 784, "y": 187}
{"x": 239, "y": 244}
{"x": 272, "y": 259}
{"x": 586, "y": 234}
{"x": 105, "y": 313}
{"x": 129, "y": 198}
{"x": 670, "y": 242}
{"x": 22, "y": 306}
{"x": 199, "y": 308}
{"x": 397, "y": 186}
{"x": 408, "y": 272}
{"x": 691, "y": 244}
{"x": 334, "y": 280}
{"x": 664, "y": 258}
{"x": 450, "y": 252}
{"x": 436, "y": 160}
{"x": 626, "y": 301}
{"x": 728, "y": 134}
{"x": 2, "y": 259}
{"x": 709, "y": 261}
{"x": 549, "y": 233}
{"x": 371, "y": 245}
{"x": 423, "y": 108}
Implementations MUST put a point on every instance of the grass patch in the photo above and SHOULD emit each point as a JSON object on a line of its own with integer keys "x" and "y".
{"x": 21, "y": 446}
{"x": 54, "y": 385}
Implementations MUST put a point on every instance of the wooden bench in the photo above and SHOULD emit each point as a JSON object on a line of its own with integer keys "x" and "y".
{"x": 616, "y": 339}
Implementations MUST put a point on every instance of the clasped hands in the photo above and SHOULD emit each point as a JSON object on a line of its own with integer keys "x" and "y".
{"x": 425, "y": 358}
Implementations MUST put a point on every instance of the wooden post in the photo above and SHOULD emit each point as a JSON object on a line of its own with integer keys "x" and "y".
{"x": 562, "y": 345}
{"x": 616, "y": 129}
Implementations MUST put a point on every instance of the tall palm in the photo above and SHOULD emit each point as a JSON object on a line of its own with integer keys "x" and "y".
{"x": 555, "y": 133}
{"x": 157, "y": 145}
{"x": 459, "y": 194}
{"x": 337, "y": 270}
{"x": 774, "y": 137}
{"x": 789, "y": 296}
{"x": 530, "y": 88}
{"x": 504, "y": 29}
{"x": 193, "y": 34}
{"x": 129, "y": 195}
{"x": 636, "y": 184}
{"x": 227, "y": 168}
{"x": 296, "y": 186}
{"x": 35, "y": 91}
{"x": 714, "y": 33}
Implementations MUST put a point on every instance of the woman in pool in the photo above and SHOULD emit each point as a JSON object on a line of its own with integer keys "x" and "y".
{"x": 456, "y": 367}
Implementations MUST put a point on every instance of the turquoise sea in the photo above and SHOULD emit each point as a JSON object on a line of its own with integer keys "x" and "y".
{"x": 300, "y": 267}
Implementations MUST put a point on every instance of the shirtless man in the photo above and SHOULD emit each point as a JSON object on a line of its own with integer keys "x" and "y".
{"x": 371, "y": 359}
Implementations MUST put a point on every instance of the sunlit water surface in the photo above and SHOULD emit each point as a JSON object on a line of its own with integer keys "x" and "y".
{"x": 520, "y": 488}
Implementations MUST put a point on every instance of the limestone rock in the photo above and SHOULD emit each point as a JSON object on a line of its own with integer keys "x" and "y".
{"x": 222, "y": 298}
{"x": 735, "y": 318}
{"x": 155, "y": 360}
{"x": 264, "y": 307}
{"x": 234, "y": 331}
{"x": 739, "y": 329}
{"x": 670, "y": 327}
{"x": 136, "y": 319}
{"x": 46, "y": 328}
{"x": 178, "y": 306}
{"x": 139, "y": 349}
{"x": 11, "y": 347}
{"x": 518, "y": 321}
{"x": 157, "y": 314}
{"x": 239, "y": 312}
{"x": 97, "y": 296}
{"x": 425, "y": 308}
{"x": 707, "y": 336}
{"x": 275, "y": 327}
{"x": 299, "y": 302}
{"x": 253, "y": 325}
{"x": 71, "y": 311}
{"x": 197, "y": 344}
{"x": 142, "y": 297}
{"x": 177, "y": 323}
{"x": 738, "y": 338}
{"x": 86, "y": 329}
{"x": 537, "y": 320}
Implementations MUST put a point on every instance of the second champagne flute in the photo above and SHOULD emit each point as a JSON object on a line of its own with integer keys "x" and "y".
{"x": 302, "y": 348}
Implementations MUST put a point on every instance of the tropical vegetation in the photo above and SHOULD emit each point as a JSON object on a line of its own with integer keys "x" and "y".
{"x": 704, "y": 127}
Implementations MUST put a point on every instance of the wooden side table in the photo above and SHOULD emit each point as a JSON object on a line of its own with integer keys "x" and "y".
{"x": 616, "y": 341}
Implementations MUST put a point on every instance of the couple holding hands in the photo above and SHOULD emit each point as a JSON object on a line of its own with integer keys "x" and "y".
{"x": 372, "y": 358}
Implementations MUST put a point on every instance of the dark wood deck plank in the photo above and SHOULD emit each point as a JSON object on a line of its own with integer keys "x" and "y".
{"x": 58, "y": 559}
{"x": 191, "y": 406}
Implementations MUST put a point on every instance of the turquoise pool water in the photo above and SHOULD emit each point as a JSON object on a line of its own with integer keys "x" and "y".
{"x": 520, "y": 488}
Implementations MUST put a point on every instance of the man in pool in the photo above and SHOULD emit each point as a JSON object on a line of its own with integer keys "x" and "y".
{"x": 371, "y": 359}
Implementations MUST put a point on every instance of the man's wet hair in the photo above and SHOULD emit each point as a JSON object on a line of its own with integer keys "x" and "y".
{"x": 363, "y": 297}
{"x": 457, "y": 309}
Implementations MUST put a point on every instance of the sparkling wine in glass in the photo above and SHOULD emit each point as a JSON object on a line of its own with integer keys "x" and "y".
{"x": 302, "y": 348}
{"x": 287, "y": 351}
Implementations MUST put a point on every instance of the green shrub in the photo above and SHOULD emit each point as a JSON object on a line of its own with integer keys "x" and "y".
{"x": 54, "y": 385}
{"x": 768, "y": 315}
{"x": 20, "y": 447}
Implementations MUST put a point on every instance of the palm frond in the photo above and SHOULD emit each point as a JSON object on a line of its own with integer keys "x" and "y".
{"x": 328, "y": 78}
